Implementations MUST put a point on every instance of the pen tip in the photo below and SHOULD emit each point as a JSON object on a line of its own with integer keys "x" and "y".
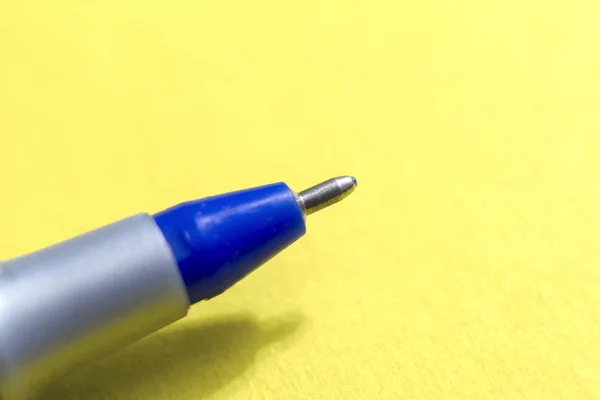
{"x": 325, "y": 194}
{"x": 348, "y": 182}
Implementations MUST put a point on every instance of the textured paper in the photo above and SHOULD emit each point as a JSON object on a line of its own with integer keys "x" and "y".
{"x": 465, "y": 266}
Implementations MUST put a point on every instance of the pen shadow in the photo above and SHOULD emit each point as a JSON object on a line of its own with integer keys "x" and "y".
{"x": 180, "y": 362}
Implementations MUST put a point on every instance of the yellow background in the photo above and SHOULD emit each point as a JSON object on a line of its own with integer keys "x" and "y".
{"x": 465, "y": 266}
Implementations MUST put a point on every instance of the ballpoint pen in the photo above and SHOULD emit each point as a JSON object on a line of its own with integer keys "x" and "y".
{"x": 73, "y": 302}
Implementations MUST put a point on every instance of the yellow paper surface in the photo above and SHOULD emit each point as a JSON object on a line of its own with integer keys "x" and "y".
{"x": 465, "y": 266}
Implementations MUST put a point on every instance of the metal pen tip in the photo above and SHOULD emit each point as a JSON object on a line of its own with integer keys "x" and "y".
{"x": 325, "y": 194}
